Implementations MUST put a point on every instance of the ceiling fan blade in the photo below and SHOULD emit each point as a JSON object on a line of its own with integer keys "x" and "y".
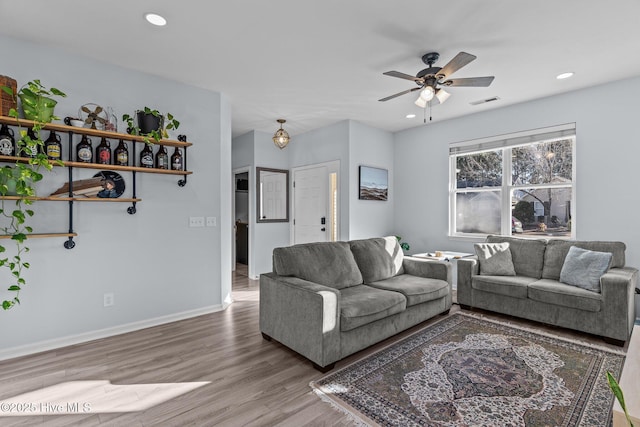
{"x": 403, "y": 76}
{"x": 399, "y": 94}
{"x": 459, "y": 61}
{"x": 471, "y": 81}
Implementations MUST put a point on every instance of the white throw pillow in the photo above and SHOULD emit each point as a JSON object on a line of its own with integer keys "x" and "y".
{"x": 583, "y": 268}
{"x": 495, "y": 259}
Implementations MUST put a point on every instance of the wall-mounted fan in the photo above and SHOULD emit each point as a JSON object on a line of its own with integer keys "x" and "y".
{"x": 93, "y": 114}
{"x": 432, "y": 80}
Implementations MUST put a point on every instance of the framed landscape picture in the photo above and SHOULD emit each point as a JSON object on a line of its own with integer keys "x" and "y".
{"x": 374, "y": 183}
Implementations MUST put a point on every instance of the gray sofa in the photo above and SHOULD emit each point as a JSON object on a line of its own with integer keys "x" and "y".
{"x": 329, "y": 300}
{"x": 536, "y": 292}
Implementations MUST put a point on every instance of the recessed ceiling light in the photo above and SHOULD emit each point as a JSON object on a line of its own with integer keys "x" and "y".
{"x": 410, "y": 116}
{"x": 155, "y": 19}
{"x": 564, "y": 75}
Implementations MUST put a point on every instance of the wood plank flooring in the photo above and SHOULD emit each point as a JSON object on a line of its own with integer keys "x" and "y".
{"x": 251, "y": 382}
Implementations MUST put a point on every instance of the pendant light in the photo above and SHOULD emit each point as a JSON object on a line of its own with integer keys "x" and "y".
{"x": 281, "y": 137}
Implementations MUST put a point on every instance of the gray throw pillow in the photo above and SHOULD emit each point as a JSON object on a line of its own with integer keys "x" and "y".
{"x": 495, "y": 259}
{"x": 583, "y": 268}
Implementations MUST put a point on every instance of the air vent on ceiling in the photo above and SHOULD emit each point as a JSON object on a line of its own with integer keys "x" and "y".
{"x": 484, "y": 101}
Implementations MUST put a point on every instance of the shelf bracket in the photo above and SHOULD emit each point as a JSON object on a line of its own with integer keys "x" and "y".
{"x": 183, "y": 181}
{"x": 69, "y": 244}
{"x": 132, "y": 209}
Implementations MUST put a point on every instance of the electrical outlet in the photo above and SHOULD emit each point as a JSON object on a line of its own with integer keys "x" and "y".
{"x": 196, "y": 221}
{"x": 109, "y": 299}
{"x": 211, "y": 221}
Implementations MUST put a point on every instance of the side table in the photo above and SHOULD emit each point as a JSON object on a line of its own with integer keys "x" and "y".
{"x": 449, "y": 256}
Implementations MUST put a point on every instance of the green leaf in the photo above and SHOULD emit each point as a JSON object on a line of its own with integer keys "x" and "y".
{"x": 58, "y": 92}
{"x": 617, "y": 392}
{"x": 2, "y": 249}
{"x": 19, "y": 237}
{"x": 26, "y": 265}
{"x": 14, "y": 288}
{"x": 7, "y": 90}
{"x": 6, "y": 305}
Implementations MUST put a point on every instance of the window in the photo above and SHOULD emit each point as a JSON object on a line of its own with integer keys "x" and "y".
{"x": 518, "y": 184}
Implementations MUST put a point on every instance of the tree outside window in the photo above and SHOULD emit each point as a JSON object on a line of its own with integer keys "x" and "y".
{"x": 535, "y": 178}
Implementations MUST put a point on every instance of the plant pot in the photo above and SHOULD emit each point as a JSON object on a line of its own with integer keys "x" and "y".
{"x": 148, "y": 122}
{"x": 37, "y": 108}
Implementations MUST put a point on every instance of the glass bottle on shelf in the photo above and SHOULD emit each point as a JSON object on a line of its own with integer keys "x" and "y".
{"x": 7, "y": 141}
{"x": 29, "y": 149}
{"x": 162, "y": 158}
{"x": 146, "y": 156}
{"x": 53, "y": 146}
{"x": 84, "y": 150}
{"x": 103, "y": 152}
{"x": 176, "y": 160}
{"x": 122, "y": 154}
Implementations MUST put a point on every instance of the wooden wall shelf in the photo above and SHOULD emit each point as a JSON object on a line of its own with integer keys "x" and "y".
{"x": 70, "y": 165}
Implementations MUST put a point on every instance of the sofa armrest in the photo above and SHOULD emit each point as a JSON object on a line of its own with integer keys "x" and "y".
{"x": 467, "y": 268}
{"x": 427, "y": 268}
{"x": 303, "y": 315}
{"x": 618, "y": 288}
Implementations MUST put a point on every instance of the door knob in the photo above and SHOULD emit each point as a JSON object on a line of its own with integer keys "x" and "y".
{"x": 323, "y": 229}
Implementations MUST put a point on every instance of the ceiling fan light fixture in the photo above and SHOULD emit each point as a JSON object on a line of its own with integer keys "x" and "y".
{"x": 427, "y": 93}
{"x": 155, "y": 19}
{"x": 421, "y": 102}
{"x": 442, "y": 95}
{"x": 281, "y": 137}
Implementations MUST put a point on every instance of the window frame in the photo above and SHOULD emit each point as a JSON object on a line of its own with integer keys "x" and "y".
{"x": 506, "y": 143}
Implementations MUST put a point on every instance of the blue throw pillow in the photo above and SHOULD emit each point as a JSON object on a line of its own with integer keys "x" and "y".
{"x": 583, "y": 268}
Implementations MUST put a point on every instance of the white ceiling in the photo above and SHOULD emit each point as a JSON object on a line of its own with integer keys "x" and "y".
{"x": 316, "y": 62}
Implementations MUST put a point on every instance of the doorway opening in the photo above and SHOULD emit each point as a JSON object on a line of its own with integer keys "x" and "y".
{"x": 241, "y": 202}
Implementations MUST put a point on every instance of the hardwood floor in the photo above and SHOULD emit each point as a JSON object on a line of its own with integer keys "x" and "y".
{"x": 248, "y": 381}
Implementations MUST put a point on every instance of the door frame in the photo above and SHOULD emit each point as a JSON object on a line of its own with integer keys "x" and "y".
{"x": 332, "y": 166}
{"x": 251, "y": 190}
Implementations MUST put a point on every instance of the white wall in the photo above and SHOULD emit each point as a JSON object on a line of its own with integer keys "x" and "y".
{"x": 607, "y": 153}
{"x": 158, "y": 268}
{"x": 370, "y": 147}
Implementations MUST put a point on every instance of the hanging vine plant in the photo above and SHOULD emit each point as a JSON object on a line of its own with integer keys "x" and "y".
{"x": 19, "y": 181}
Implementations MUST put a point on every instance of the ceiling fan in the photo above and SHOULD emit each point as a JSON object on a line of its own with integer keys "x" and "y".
{"x": 432, "y": 80}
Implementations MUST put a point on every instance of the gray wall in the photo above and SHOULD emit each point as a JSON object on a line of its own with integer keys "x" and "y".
{"x": 607, "y": 152}
{"x": 158, "y": 268}
{"x": 370, "y": 147}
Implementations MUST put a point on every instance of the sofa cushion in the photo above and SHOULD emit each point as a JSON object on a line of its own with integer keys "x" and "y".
{"x": 415, "y": 289}
{"x": 495, "y": 259}
{"x": 378, "y": 258}
{"x": 363, "y": 304}
{"x": 583, "y": 268}
{"x": 512, "y": 286}
{"x": 553, "y": 292}
{"x": 527, "y": 254}
{"x": 327, "y": 263}
{"x": 557, "y": 251}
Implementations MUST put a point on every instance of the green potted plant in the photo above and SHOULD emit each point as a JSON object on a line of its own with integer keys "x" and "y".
{"x": 20, "y": 179}
{"x": 150, "y": 123}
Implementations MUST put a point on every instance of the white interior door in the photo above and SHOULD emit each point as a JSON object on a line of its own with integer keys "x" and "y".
{"x": 310, "y": 205}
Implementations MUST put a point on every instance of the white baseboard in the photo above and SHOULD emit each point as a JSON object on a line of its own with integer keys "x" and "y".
{"x": 24, "y": 350}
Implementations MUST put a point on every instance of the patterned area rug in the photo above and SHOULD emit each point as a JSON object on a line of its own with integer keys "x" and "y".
{"x": 469, "y": 371}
